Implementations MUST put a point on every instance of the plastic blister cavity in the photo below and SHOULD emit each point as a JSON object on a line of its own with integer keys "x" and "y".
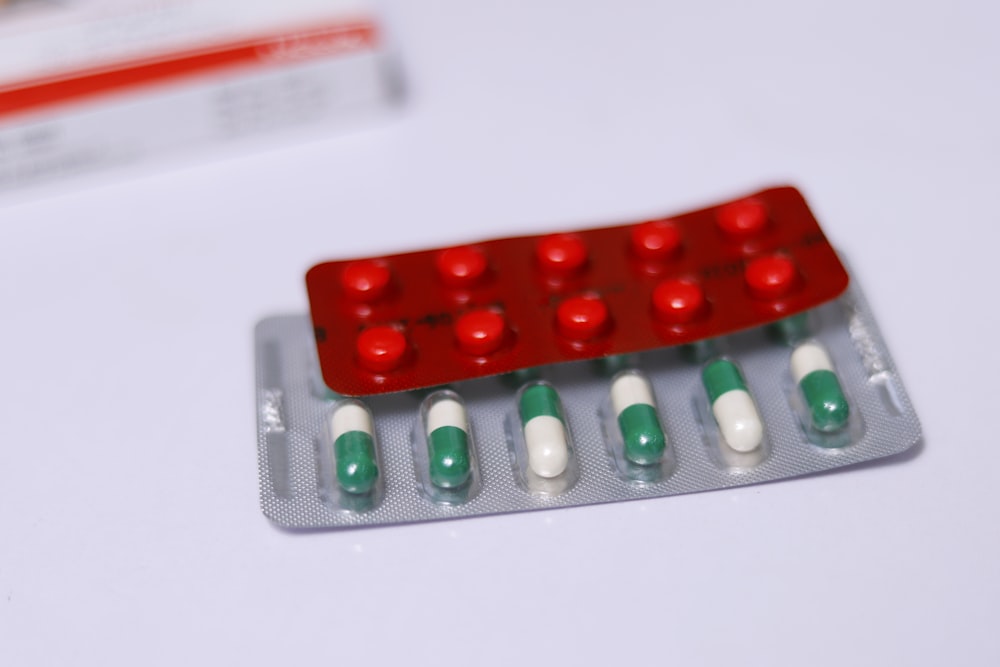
{"x": 541, "y": 442}
{"x": 820, "y": 400}
{"x": 733, "y": 427}
{"x": 444, "y": 450}
{"x": 637, "y": 440}
{"x": 348, "y": 463}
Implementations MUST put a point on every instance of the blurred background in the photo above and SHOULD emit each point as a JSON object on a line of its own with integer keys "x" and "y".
{"x": 169, "y": 170}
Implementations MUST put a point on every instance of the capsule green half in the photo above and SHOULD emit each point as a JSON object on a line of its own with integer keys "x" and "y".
{"x": 356, "y": 466}
{"x": 827, "y": 404}
{"x": 790, "y": 330}
{"x": 642, "y": 435}
{"x": 539, "y": 400}
{"x": 721, "y": 376}
{"x": 448, "y": 450}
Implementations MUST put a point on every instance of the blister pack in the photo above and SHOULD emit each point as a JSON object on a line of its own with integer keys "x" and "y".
{"x": 683, "y": 354}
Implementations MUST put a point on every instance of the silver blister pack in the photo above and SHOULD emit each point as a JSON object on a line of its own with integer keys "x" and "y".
{"x": 299, "y": 485}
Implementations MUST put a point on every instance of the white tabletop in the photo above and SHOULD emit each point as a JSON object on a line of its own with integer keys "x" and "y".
{"x": 131, "y": 530}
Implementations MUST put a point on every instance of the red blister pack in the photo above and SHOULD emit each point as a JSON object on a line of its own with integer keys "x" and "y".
{"x": 422, "y": 319}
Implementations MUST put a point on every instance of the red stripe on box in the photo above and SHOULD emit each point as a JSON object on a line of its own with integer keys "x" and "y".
{"x": 284, "y": 47}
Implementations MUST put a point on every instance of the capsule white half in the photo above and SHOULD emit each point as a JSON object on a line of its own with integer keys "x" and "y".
{"x": 446, "y": 412}
{"x": 628, "y": 390}
{"x": 545, "y": 440}
{"x": 738, "y": 420}
{"x": 350, "y": 417}
{"x": 807, "y": 358}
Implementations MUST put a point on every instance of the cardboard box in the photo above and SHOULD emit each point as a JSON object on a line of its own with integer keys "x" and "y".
{"x": 87, "y": 84}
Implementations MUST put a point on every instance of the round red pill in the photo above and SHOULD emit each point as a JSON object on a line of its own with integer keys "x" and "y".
{"x": 771, "y": 277}
{"x": 583, "y": 317}
{"x": 678, "y": 300}
{"x": 741, "y": 219}
{"x": 562, "y": 253}
{"x": 381, "y": 349}
{"x": 480, "y": 332}
{"x": 465, "y": 265}
{"x": 366, "y": 280}
{"x": 656, "y": 240}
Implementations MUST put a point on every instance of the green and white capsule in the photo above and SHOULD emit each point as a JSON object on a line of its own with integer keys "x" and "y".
{"x": 448, "y": 442}
{"x": 733, "y": 407}
{"x": 813, "y": 372}
{"x": 642, "y": 436}
{"x": 354, "y": 447}
{"x": 544, "y": 427}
